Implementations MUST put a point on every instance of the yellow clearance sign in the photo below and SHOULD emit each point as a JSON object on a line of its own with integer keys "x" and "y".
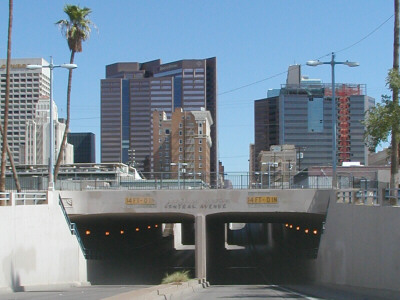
{"x": 139, "y": 201}
{"x": 262, "y": 200}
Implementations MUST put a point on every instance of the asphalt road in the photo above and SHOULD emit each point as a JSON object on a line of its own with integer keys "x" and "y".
{"x": 275, "y": 292}
{"x": 72, "y": 293}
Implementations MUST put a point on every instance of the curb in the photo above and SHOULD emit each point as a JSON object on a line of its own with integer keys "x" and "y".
{"x": 164, "y": 291}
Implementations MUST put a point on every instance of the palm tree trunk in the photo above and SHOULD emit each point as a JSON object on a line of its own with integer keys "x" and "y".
{"x": 11, "y": 159}
{"x": 394, "y": 166}
{"x": 7, "y": 100}
{"x": 64, "y": 140}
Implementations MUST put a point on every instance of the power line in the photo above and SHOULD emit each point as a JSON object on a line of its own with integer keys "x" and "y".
{"x": 328, "y": 54}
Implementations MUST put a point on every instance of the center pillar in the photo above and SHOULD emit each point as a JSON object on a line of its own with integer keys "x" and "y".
{"x": 200, "y": 246}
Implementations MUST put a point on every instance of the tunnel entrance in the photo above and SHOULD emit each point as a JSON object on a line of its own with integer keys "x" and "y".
{"x": 273, "y": 250}
{"x": 241, "y": 248}
{"x": 133, "y": 249}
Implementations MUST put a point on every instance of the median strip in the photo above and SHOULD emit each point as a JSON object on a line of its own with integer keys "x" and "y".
{"x": 163, "y": 291}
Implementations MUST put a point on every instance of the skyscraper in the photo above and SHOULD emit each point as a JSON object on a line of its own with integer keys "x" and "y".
{"x": 26, "y": 88}
{"x": 301, "y": 115}
{"x": 37, "y": 140}
{"x": 84, "y": 146}
{"x": 132, "y": 91}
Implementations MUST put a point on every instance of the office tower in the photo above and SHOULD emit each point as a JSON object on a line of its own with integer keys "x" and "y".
{"x": 35, "y": 150}
{"x": 130, "y": 93}
{"x": 301, "y": 115}
{"x": 184, "y": 139}
{"x": 26, "y": 88}
{"x": 84, "y": 146}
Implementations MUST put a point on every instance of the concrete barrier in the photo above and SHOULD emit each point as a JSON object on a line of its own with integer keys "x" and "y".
{"x": 173, "y": 291}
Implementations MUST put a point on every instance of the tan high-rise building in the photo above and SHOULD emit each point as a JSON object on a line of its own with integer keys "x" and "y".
{"x": 26, "y": 88}
{"x": 183, "y": 141}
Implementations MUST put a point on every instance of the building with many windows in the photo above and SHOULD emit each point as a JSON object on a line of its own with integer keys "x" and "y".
{"x": 132, "y": 91}
{"x": 300, "y": 114}
{"x": 182, "y": 141}
{"x": 35, "y": 150}
{"x": 26, "y": 88}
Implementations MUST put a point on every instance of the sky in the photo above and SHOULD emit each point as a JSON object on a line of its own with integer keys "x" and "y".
{"x": 254, "y": 42}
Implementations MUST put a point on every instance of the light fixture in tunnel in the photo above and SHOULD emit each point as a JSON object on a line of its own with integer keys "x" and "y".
{"x": 290, "y": 226}
{"x": 298, "y": 228}
{"x": 149, "y": 227}
{"x": 156, "y": 226}
{"x": 107, "y": 233}
{"x": 87, "y": 232}
{"x": 286, "y": 225}
{"x": 306, "y": 231}
{"x": 122, "y": 232}
{"x": 137, "y": 229}
{"x": 315, "y": 231}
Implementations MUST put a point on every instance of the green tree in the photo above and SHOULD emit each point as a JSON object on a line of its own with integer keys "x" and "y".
{"x": 76, "y": 29}
{"x": 5, "y": 148}
{"x": 383, "y": 120}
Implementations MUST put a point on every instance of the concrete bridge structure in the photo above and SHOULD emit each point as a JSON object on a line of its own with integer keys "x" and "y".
{"x": 359, "y": 245}
{"x": 199, "y": 206}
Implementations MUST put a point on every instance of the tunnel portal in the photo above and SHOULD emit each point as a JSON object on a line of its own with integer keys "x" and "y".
{"x": 242, "y": 248}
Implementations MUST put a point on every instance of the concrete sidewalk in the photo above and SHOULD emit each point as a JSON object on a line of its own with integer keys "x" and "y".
{"x": 171, "y": 291}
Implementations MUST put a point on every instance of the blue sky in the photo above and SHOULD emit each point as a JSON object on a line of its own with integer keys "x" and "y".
{"x": 252, "y": 40}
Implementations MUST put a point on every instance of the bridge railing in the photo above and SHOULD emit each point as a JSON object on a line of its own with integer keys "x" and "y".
{"x": 358, "y": 196}
{"x": 73, "y": 227}
{"x": 5, "y": 199}
{"x": 275, "y": 179}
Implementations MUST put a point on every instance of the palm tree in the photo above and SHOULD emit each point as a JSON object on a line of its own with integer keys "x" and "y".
{"x": 76, "y": 29}
{"x": 5, "y": 148}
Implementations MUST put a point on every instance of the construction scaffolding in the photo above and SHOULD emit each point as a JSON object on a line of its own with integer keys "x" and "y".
{"x": 343, "y": 93}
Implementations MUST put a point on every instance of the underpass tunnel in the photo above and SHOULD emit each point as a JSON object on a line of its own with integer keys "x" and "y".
{"x": 259, "y": 249}
{"x": 241, "y": 248}
{"x": 134, "y": 248}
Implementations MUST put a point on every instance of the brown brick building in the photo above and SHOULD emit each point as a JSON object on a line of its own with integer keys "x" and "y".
{"x": 185, "y": 141}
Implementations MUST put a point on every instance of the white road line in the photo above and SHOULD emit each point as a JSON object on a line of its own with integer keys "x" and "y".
{"x": 296, "y": 293}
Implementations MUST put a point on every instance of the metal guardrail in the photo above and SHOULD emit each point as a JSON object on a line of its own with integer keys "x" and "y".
{"x": 73, "y": 228}
{"x": 392, "y": 196}
{"x": 276, "y": 179}
{"x": 30, "y": 198}
{"x": 5, "y": 199}
{"x": 358, "y": 196}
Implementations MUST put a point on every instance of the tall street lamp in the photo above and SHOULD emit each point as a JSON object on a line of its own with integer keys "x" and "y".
{"x": 274, "y": 165}
{"x": 179, "y": 164}
{"x": 314, "y": 63}
{"x": 51, "y": 66}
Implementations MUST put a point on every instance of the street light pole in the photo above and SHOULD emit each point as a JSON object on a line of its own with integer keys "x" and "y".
{"x": 51, "y": 66}
{"x": 314, "y": 63}
{"x": 179, "y": 164}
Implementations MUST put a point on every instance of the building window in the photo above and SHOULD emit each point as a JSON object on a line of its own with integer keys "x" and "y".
{"x": 180, "y": 132}
{"x": 200, "y": 132}
{"x": 200, "y": 149}
{"x": 200, "y": 165}
{"x": 200, "y": 141}
{"x": 180, "y": 141}
{"x": 180, "y": 157}
{"x": 166, "y": 131}
{"x": 200, "y": 157}
{"x": 180, "y": 125}
{"x": 180, "y": 149}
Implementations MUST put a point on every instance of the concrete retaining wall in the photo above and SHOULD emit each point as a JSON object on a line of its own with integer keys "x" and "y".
{"x": 37, "y": 248}
{"x": 360, "y": 246}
